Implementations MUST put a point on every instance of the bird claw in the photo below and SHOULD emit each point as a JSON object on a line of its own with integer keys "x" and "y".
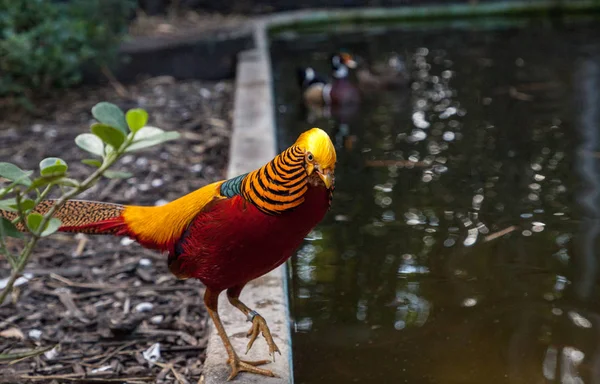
{"x": 259, "y": 325}
{"x": 238, "y": 366}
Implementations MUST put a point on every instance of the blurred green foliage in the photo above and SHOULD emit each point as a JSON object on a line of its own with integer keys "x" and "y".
{"x": 45, "y": 44}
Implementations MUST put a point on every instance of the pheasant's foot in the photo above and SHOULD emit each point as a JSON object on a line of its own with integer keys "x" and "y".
{"x": 255, "y": 363}
{"x": 238, "y": 366}
{"x": 259, "y": 325}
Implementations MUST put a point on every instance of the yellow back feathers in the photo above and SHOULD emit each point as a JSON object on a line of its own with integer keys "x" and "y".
{"x": 163, "y": 225}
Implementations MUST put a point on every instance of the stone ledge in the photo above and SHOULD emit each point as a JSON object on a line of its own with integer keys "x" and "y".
{"x": 252, "y": 145}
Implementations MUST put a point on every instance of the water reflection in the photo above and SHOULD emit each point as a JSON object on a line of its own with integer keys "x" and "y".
{"x": 461, "y": 246}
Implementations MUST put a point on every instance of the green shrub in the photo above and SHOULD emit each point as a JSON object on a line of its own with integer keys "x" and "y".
{"x": 114, "y": 134}
{"x": 46, "y": 44}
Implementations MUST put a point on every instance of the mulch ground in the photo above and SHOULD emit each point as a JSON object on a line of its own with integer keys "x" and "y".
{"x": 102, "y": 308}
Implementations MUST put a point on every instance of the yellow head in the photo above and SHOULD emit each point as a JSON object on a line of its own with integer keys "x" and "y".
{"x": 319, "y": 155}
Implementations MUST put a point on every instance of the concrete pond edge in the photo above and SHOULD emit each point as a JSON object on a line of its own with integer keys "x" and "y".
{"x": 253, "y": 143}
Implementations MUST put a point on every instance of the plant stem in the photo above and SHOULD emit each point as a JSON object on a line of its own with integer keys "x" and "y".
{"x": 35, "y": 236}
{"x": 20, "y": 356}
{"x": 4, "y": 250}
{"x": 23, "y": 258}
{"x": 21, "y": 216}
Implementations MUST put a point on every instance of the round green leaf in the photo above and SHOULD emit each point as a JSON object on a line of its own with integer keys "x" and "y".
{"x": 111, "y": 115}
{"x": 8, "y": 229}
{"x": 136, "y": 119}
{"x": 67, "y": 182}
{"x": 9, "y": 204}
{"x": 110, "y": 135}
{"x": 27, "y": 204}
{"x": 53, "y": 166}
{"x": 13, "y": 173}
{"x": 92, "y": 162}
{"x": 91, "y": 143}
{"x": 45, "y": 180}
{"x": 150, "y": 136}
{"x": 51, "y": 227}
{"x": 33, "y": 221}
{"x": 147, "y": 132}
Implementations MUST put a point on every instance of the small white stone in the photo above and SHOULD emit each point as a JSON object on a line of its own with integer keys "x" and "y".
{"x": 51, "y": 354}
{"x": 157, "y": 183}
{"x": 35, "y": 334}
{"x": 19, "y": 281}
{"x": 101, "y": 369}
{"x": 145, "y": 262}
{"x": 144, "y": 307}
{"x": 160, "y": 202}
{"x": 127, "y": 159}
{"x": 127, "y": 241}
{"x": 205, "y": 93}
{"x": 152, "y": 354}
{"x": 157, "y": 319}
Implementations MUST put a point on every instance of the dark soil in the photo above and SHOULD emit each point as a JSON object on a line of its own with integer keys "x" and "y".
{"x": 99, "y": 304}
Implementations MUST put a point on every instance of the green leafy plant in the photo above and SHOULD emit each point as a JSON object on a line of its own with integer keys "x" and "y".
{"x": 46, "y": 44}
{"x": 115, "y": 134}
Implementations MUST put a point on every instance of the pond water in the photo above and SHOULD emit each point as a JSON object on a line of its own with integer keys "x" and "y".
{"x": 462, "y": 244}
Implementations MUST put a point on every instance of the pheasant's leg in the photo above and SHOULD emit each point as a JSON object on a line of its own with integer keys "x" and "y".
{"x": 211, "y": 300}
{"x": 259, "y": 324}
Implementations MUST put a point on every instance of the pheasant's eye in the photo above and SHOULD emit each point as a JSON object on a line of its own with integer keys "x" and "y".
{"x": 310, "y": 157}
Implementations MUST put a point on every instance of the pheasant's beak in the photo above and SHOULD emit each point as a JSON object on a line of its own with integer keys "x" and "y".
{"x": 351, "y": 64}
{"x": 327, "y": 178}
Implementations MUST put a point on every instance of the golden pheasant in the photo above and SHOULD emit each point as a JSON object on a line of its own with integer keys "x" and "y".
{"x": 228, "y": 232}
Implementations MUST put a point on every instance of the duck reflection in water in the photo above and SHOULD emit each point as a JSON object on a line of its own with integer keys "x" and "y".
{"x": 338, "y": 99}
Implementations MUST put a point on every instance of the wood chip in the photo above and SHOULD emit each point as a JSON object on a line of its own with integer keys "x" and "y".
{"x": 12, "y": 333}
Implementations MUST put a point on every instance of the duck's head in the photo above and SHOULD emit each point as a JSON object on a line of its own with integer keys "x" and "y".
{"x": 304, "y": 76}
{"x": 340, "y": 63}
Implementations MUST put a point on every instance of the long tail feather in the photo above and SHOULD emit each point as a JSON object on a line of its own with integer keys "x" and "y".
{"x": 83, "y": 216}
